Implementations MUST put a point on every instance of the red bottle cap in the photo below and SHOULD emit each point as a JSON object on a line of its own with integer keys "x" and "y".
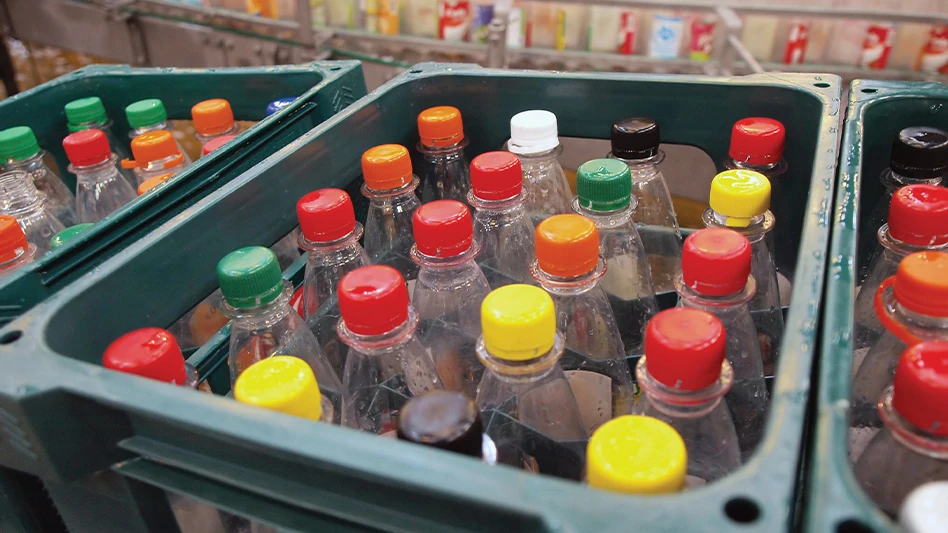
{"x": 921, "y": 283}
{"x": 716, "y": 261}
{"x": 496, "y": 176}
{"x": 685, "y": 348}
{"x": 373, "y": 300}
{"x": 87, "y": 147}
{"x": 757, "y": 141}
{"x": 12, "y": 238}
{"x": 443, "y": 228}
{"x": 918, "y": 215}
{"x": 216, "y": 143}
{"x": 326, "y": 215}
{"x": 148, "y": 352}
{"x": 920, "y": 387}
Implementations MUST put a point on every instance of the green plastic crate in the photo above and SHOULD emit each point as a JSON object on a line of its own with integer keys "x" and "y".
{"x": 324, "y": 88}
{"x": 878, "y": 110}
{"x": 73, "y": 418}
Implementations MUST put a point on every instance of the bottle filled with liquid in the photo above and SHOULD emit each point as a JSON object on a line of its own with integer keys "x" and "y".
{"x": 446, "y": 420}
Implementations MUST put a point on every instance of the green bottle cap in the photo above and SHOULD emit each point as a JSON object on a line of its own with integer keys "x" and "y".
{"x": 67, "y": 235}
{"x": 145, "y": 113}
{"x": 18, "y": 143}
{"x": 84, "y": 111}
{"x": 250, "y": 277}
{"x": 604, "y": 184}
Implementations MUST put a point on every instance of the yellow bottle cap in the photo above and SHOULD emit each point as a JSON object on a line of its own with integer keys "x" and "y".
{"x": 518, "y": 322}
{"x": 281, "y": 383}
{"x": 636, "y": 455}
{"x": 740, "y": 195}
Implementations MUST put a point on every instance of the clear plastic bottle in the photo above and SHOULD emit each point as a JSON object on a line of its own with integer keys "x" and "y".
{"x": 715, "y": 277}
{"x": 912, "y": 447}
{"x": 635, "y": 141}
{"x": 20, "y": 151}
{"x": 684, "y": 377}
{"x": 156, "y": 154}
{"x": 390, "y": 187}
{"x": 285, "y": 384}
{"x": 66, "y": 235}
{"x": 149, "y": 115}
{"x": 446, "y": 420}
{"x": 740, "y": 200}
{"x": 533, "y": 138}
{"x": 444, "y": 170}
{"x": 216, "y": 143}
{"x": 100, "y": 189}
{"x": 151, "y": 353}
{"x": 89, "y": 113}
{"x": 604, "y": 189}
{"x": 529, "y": 408}
{"x": 212, "y": 119}
{"x": 636, "y": 455}
{"x": 15, "y": 251}
{"x": 386, "y": 365}
{"x": 20, "y": 199}
{"x": 501, "y": 225}
{"x": 279, "y": 105}
{"x": 924, "y": 509}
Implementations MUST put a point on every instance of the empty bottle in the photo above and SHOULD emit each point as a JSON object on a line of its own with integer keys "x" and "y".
{"x": 924, "y": 510}
{"x": 89, "y": 113}
{"x": 446, "y": 420}
{"x": 715, "y": 277}
{"x": 149, "y": 115}
{"x": 533, "y": 138}
{"x": 529, "y": 408}
{"x": 20, "y": 151}
{"x": 20, "y": 199}
{"x": 911, "y": 448}
{"x": 757, "y": 144}
{"x": 635, "y": 141}
{"x": 152, "y": 353}
{"x": 684, "y": 376}
{"x": 15, "y": 251}
{"x": 386, "y": 365}
{"x": 740, "y": 200}
{"x": 636, "y": 455}
{"x": 156, "y": 154}
{"x": 216, "y": 143}
{"x": 279, "y": 104}
{"x": 212, "y": 119}
{"x": 67, "y": 235}
{"x": 501, "y": 225}
{"x": 390, "y": 187}
{"x": 100, "y": 189}
{"x": 449, "y": 291}
{"x": 444, "y": 168}
{"x": 285, "y": 384}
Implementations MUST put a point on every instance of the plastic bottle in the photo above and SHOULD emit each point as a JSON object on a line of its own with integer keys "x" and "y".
{"x": 386, "y": 365}
{"x": 20, "y": 199}
{"x": 757, "y": 144}
{"x": 279, "y": 104}
{"x": 533, "y": 138}
{"x": 390, "y": 187}
{"x": 152, "y": 353}
{"x": 20, "y": 151}
{"x": 684, "y": 376}
{"x": 444, "y": 170}
{"x": 156, "y": 153}
{"x": 66, "y": 235}
{"x": 149, "y": 115}
{"x": 911, "y": 448}
{"x": 212, "y": 119}
{"x": 216, "y": 143}
{"x": 100, "y": 189}
{"x": 152, "y": 183}
{"x": 446, "y": 420}
{"x": 285, "y": 384}
{"x": 924, "y": 510}
{"x": 15, "y": 251}
{"x": 89, "y": 113}
{"x": 449, "y": 291}
{"x": 740, "y": 200}
{"x": 715, "y": 277}
{"x": 635, "y": 141}
{"x": 523, "y": 381}
{"x": 636, "y": 455}
{"x": 501, "y": 225}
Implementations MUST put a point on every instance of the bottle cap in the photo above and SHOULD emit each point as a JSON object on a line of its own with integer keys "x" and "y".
{"x": 757, "y": 141}
{"x": 212, "y": 116}
{"x": 567, "y": 245}
{"x": 920, "y": 387}
{"x": 85, "y": 111}
{"x": 153, "y": 146}
{"x": 604, "y": 185}
{"x": 373, "y": 300}
{"x": 281, "y": 383}
{"x": 636, "y": 455}
{"x": 635, "y": 138}
{"x": 67, "y": 235}
{"x": 12, "y": 238}
{"x": 326, "y": 215}
{"x": 144, "y": 113}
{"x": 440, "y": 126}
{"x": 87, "y": 147}
{"x": 921, "y": 283}
{"x": 924, "y": 510}
{"x": 216, "y": 143}
{"x": 716, "y": 261}
{"x": 496, "y": 176}
{"x": 386, "y": 167}
{"x": 518, "y": 322}
{"x": 443, "y": 228}
{"x": 920, "y": 152}
{"x": 151, "y": 183}
{"x": 279, "y": 104}
{"x": 148, "y": 352}
{"x": 740, "y": 195}
{"x": 442, "y": 419}
{"x": 250, "y": 277}
{"x": 684, "y": 348}
{"x": 918, "y": 215}
{"x": 18, "y": 143}
{"x": 533, "y": 132}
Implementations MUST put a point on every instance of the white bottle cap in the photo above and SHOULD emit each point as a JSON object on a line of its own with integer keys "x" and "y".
{"x": 925, "y": 509}
{"x": 533, "y": 132}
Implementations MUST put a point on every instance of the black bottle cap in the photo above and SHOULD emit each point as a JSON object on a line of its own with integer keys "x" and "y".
{"x": 635, "y": 138}
{"x": 443, "y": 419}
{"x": 920, "y": 152}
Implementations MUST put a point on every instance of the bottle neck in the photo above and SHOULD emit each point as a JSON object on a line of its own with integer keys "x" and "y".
{"x": 336, "y": 252}
{"x": 605, "y": 220}
{"x": 902, "y": 249}
{"x": 454, "y": 151}
{"x": 683, "y": 403}
{"x": 157, "y": 126}
{"x": 916, "y": 439}
{"x": 101, "y": 171}
{"x": 172, "y": 163}
{"x": 893, "y": 180}
{"x": 104, "y": 125}
{"x": 205, "y": 137}
{"x": 537, "y": 158}
{"x": 24, "y": 256}
{"x": 771, "y": 171}
{"x": 645, "y": 164}
{"x": 446, "y": 264}
{"x": 568, "y": 286}
{"x": 381, "y": 344}
{"x": 507, "y": 206}
{"x": 697, "y": 299}
{"x": 754, "y": 228}
{"x": 924, "y": 326}
{"x": 526, "y": 371}
{"x": 19, "y": 196}
{"x": 402, "y": 194}
{"x": 261, "y": 316}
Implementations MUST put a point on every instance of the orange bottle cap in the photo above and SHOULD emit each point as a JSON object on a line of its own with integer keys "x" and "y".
{"x": 386, "y": 167}
{"x": 921, "y": 283}
{"x": 151, "y": 183}
{"x": 567, "y": 245}
{"x": 154, "y": 146}
{"x": 12, "y": 238}
{"x": 212, "y": 116}
{"x": 440, "y": 126}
